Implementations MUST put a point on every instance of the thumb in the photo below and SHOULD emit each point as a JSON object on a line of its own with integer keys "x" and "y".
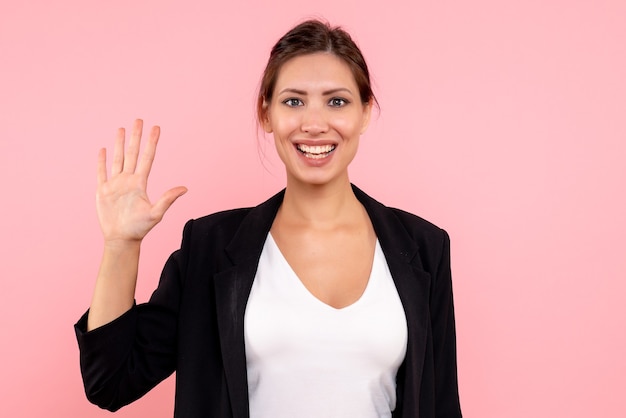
{"x": 166, "y": 200}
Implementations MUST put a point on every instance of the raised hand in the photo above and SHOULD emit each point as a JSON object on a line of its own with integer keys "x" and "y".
{"x": 124, "y": 209}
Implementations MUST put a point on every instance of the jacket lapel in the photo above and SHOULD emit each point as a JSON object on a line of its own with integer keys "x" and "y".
{"x": 232, "y": 288}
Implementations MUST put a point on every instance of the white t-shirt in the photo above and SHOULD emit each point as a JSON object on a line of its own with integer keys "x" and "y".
{"x": 308, "y": 359}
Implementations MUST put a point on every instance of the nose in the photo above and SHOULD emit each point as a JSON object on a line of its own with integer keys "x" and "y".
{"x": 314, "y": 121}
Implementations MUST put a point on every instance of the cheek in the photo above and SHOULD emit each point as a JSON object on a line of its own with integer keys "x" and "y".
{"x": 281, "y": 143}
{"x": 349, "y": 126}
{"x": 284, "y": 125}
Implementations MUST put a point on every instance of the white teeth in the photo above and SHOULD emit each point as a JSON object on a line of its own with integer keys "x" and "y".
{"x": 315, "y": 151}
{"x": 315, "y": 156}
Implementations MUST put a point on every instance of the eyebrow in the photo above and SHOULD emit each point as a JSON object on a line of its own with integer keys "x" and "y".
{"x": 324, "y": 93}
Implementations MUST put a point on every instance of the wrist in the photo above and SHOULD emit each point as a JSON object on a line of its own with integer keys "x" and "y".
{"x": 124, "y": 245}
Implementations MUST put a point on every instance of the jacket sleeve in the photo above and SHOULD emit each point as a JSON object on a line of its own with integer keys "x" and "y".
{"x": 124, "y": 359}
{"x": 447, "y": 403}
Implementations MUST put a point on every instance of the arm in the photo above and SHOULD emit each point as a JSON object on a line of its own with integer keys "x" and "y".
{"x": 126, "y": 350}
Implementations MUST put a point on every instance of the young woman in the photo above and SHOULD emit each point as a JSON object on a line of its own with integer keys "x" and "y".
{"x": 319, "y": 302}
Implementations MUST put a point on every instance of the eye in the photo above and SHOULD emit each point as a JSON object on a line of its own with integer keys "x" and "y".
{"x": 338, "y": 102}
{"x": 293, "y": 102}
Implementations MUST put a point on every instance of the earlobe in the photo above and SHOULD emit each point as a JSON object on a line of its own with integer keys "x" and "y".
{"x": 267, "y": 126}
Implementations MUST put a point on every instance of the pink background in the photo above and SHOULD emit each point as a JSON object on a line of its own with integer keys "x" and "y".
{"x": 502, "y": 121}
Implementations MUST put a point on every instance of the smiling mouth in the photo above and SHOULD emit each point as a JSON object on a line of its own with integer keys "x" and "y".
{"x": 315, "y": 151}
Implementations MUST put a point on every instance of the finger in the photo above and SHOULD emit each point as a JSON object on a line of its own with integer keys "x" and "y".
{"x": 118, "y": 152}
{"x": 102, "y": 166}
{"x": 132, "y": 152}
{"x": 147, "y": 156}
{"x": 166, "y": 200}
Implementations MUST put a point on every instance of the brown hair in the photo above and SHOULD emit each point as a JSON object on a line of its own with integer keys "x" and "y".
{"x": 310, "y": 37}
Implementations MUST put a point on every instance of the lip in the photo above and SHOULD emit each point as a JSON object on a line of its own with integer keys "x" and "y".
{"x": 314, "y": 142}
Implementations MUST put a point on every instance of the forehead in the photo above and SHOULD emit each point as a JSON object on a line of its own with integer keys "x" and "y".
{"x": 315, "y": 70}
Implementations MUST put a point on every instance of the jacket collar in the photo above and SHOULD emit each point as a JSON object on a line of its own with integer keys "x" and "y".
{"x": 248, "y": 241}
{"x": 233, "y": 285}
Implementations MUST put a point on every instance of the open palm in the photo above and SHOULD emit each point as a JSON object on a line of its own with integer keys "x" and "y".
{"x": 124, "y": 209}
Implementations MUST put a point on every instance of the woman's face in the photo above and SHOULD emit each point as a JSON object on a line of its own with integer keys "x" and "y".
{"x": 317, "y": 117}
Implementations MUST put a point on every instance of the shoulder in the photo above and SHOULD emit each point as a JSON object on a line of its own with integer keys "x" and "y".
{"x": 397, "y": 219}
{"x": 243, "y": 224}
{"x": 417, "y": 226}
{"x": 223, "y": 220}
{"x": 413, "y": 221}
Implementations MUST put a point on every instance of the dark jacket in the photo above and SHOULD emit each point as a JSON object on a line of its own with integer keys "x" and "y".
{"x": 194, "y": 321}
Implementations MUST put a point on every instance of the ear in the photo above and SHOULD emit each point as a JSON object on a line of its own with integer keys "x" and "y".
{"x": 367, "y": 115}
{"x": 267, "y": 125}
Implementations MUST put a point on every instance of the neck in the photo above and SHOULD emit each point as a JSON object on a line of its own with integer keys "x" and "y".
{"x": 320, "y": 205}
